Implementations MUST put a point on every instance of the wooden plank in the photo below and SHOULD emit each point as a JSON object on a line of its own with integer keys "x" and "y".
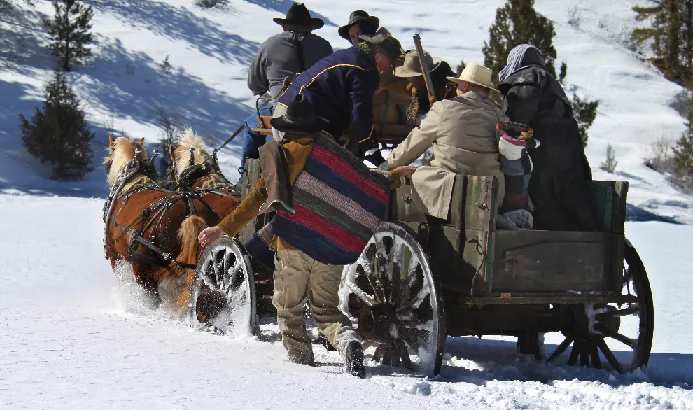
{"x": 551, "y": 261}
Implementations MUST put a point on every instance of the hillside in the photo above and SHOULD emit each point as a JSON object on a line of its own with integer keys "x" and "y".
{"x": 210, "y": 50}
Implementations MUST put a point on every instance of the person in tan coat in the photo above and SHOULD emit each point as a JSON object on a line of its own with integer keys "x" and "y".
{"x": 462, "y": 132}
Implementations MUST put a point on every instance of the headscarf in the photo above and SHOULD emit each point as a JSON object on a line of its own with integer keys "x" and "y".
{"x": 520, "y": 56}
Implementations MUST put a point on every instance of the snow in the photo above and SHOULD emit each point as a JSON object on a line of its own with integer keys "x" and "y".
{"x": 66, "y": 337}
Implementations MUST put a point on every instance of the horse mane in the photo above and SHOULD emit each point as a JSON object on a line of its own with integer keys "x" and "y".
{"x": 190, "y": 140}
{"x": 121, "y": 152}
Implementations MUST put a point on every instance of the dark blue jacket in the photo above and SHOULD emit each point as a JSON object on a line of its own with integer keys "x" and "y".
{"x": 340, "y": 87}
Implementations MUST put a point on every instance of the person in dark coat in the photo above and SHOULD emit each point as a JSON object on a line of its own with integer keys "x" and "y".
{"x": 558, "y": 188}
{"x": 285, "y": 54}
{"x": 359, "y": 23}
{"x": 341, "y": 86}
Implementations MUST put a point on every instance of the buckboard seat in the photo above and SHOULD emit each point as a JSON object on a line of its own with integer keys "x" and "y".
{"x": 473, "y": 258}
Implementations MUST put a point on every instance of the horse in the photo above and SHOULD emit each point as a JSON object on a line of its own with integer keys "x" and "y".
{"x": 147, "y": 225}
{"x": 197, "y": 170}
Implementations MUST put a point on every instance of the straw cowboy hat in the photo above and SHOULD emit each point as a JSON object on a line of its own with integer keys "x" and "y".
{"x": 412, "y": 64}
{"x": 299, "y": 15}
{"x": 299, "y": 118}
{"x": 362, "y": 18}
{"x": 476, "y": 74}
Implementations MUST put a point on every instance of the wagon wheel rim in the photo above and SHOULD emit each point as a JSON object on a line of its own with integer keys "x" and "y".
{"x": 617, "y": 337}
{"x": 392, "y": 294}
{"x": 223, "y": 291}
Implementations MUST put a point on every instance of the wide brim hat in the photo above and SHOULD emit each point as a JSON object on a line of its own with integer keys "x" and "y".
{"x": 390, "y": 45}
{"x": 412, "y": 64}
{"x": 299, "y": 15}
{"x": 299, "y": 118}
{"x": 358, "y": 17}
{"x": 476, "y": 74}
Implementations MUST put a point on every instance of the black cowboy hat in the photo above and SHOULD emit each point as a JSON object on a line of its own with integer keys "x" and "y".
{"x": 299, "y": 118}
{"x": 362, "y": 18}
{"x": 299, "y": 15}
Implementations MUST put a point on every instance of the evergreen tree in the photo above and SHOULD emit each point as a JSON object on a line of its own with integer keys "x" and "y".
{"x": 669, "y": 33}
{"x": 563, "y": 73}
{"x": 58, "y": 135}
{"x": 517, "y": 23}
{"x": 609, "y": 165}
{"x": 70, "y": 32}
{"x": 585, "y": 113}
{"x": 683, "y": 151}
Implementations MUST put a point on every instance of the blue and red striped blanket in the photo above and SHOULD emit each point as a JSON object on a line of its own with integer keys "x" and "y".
{"x": 338, "y": 203}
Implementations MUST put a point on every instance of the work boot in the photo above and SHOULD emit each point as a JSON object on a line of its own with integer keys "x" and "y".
{"x": 302, "y": 358}
{"x": 353, "y": 360}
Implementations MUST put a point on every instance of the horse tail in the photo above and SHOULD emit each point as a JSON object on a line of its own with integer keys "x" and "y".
{"x": 187, "y": 234}
{"x": 189, "y": 254}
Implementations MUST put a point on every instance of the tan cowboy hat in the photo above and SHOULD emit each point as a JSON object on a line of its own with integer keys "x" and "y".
{"x": 412, "y": 66}
{"x": 476, "y": 74}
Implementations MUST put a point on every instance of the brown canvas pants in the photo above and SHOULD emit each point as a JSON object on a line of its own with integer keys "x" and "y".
{"x": 298, "y": 279}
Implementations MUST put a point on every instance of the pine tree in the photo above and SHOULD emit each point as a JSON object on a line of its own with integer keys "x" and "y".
{"x": 563, "y": 73}
{"x": 609, "y": 165}
{"x": 585, "y": 113}
{"x": 669, "y": 33}
{"x": 683, "y": 151}
{"x": 517, "y": 23}
{"x": 58, "y": 135}
{"x": 70, "y": 32}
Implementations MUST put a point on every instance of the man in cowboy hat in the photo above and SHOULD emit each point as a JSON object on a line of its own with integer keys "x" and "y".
{"x": 341, "y": 87}
{"x": 301, "y": 278}
{"x": 359, "y": 23}
{"x": 281, "y": 56}
{"x": 462, "y": 132}
{"x": 417, "y": 89}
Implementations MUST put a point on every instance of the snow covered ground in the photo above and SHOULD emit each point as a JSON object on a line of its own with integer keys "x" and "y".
{"x": 66, "y": 340}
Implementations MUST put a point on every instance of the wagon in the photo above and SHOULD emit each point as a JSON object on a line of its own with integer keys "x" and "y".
{"x": 421, "y": 279}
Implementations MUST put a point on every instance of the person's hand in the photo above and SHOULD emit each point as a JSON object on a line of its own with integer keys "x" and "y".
{"x": 209, "y": 235}
{"x": 403, "y": 171}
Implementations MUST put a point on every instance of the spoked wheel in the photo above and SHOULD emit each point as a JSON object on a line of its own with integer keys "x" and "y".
{"x": 392, "y": 293}
{"x": 223, "y": 292}
{"x": 619, "y": 335}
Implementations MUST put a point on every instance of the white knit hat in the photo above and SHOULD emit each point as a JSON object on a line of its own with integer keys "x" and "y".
{"x": 476, "y": 74}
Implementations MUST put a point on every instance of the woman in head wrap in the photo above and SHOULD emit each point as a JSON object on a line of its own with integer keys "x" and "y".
{"x": 558, "y": 188}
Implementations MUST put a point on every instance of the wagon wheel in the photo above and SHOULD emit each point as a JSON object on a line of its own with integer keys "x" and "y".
{"x": 394, "y": 295}
{"x": 602, "y": 331}
{"x": 223, "y": 291}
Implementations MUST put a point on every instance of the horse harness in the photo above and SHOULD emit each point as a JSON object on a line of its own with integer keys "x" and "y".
{"x": 153, "y": 214}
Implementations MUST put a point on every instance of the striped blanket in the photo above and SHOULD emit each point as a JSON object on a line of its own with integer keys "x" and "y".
{"x": 338, "y": 202}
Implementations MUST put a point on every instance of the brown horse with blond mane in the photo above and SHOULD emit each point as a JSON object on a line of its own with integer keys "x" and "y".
{"x": 153, "y": 229}
{"x": 197, "y": 170}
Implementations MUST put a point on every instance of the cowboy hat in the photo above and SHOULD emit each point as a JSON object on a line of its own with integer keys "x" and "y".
{"x": 299, "y": 15}
{"x": 387, "y": 43}
{"x": 412, "y": 64}
{"x": 361, "y": 18}
{"x": 299, "y": 118}
{"x": 476, "y": 74}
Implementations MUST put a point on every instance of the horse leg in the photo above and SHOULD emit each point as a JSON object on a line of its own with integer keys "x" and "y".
{"x": 145, "y": 277}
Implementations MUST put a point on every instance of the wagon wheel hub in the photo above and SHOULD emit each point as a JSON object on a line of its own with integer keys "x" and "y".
{"x": 379, "y": 322}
